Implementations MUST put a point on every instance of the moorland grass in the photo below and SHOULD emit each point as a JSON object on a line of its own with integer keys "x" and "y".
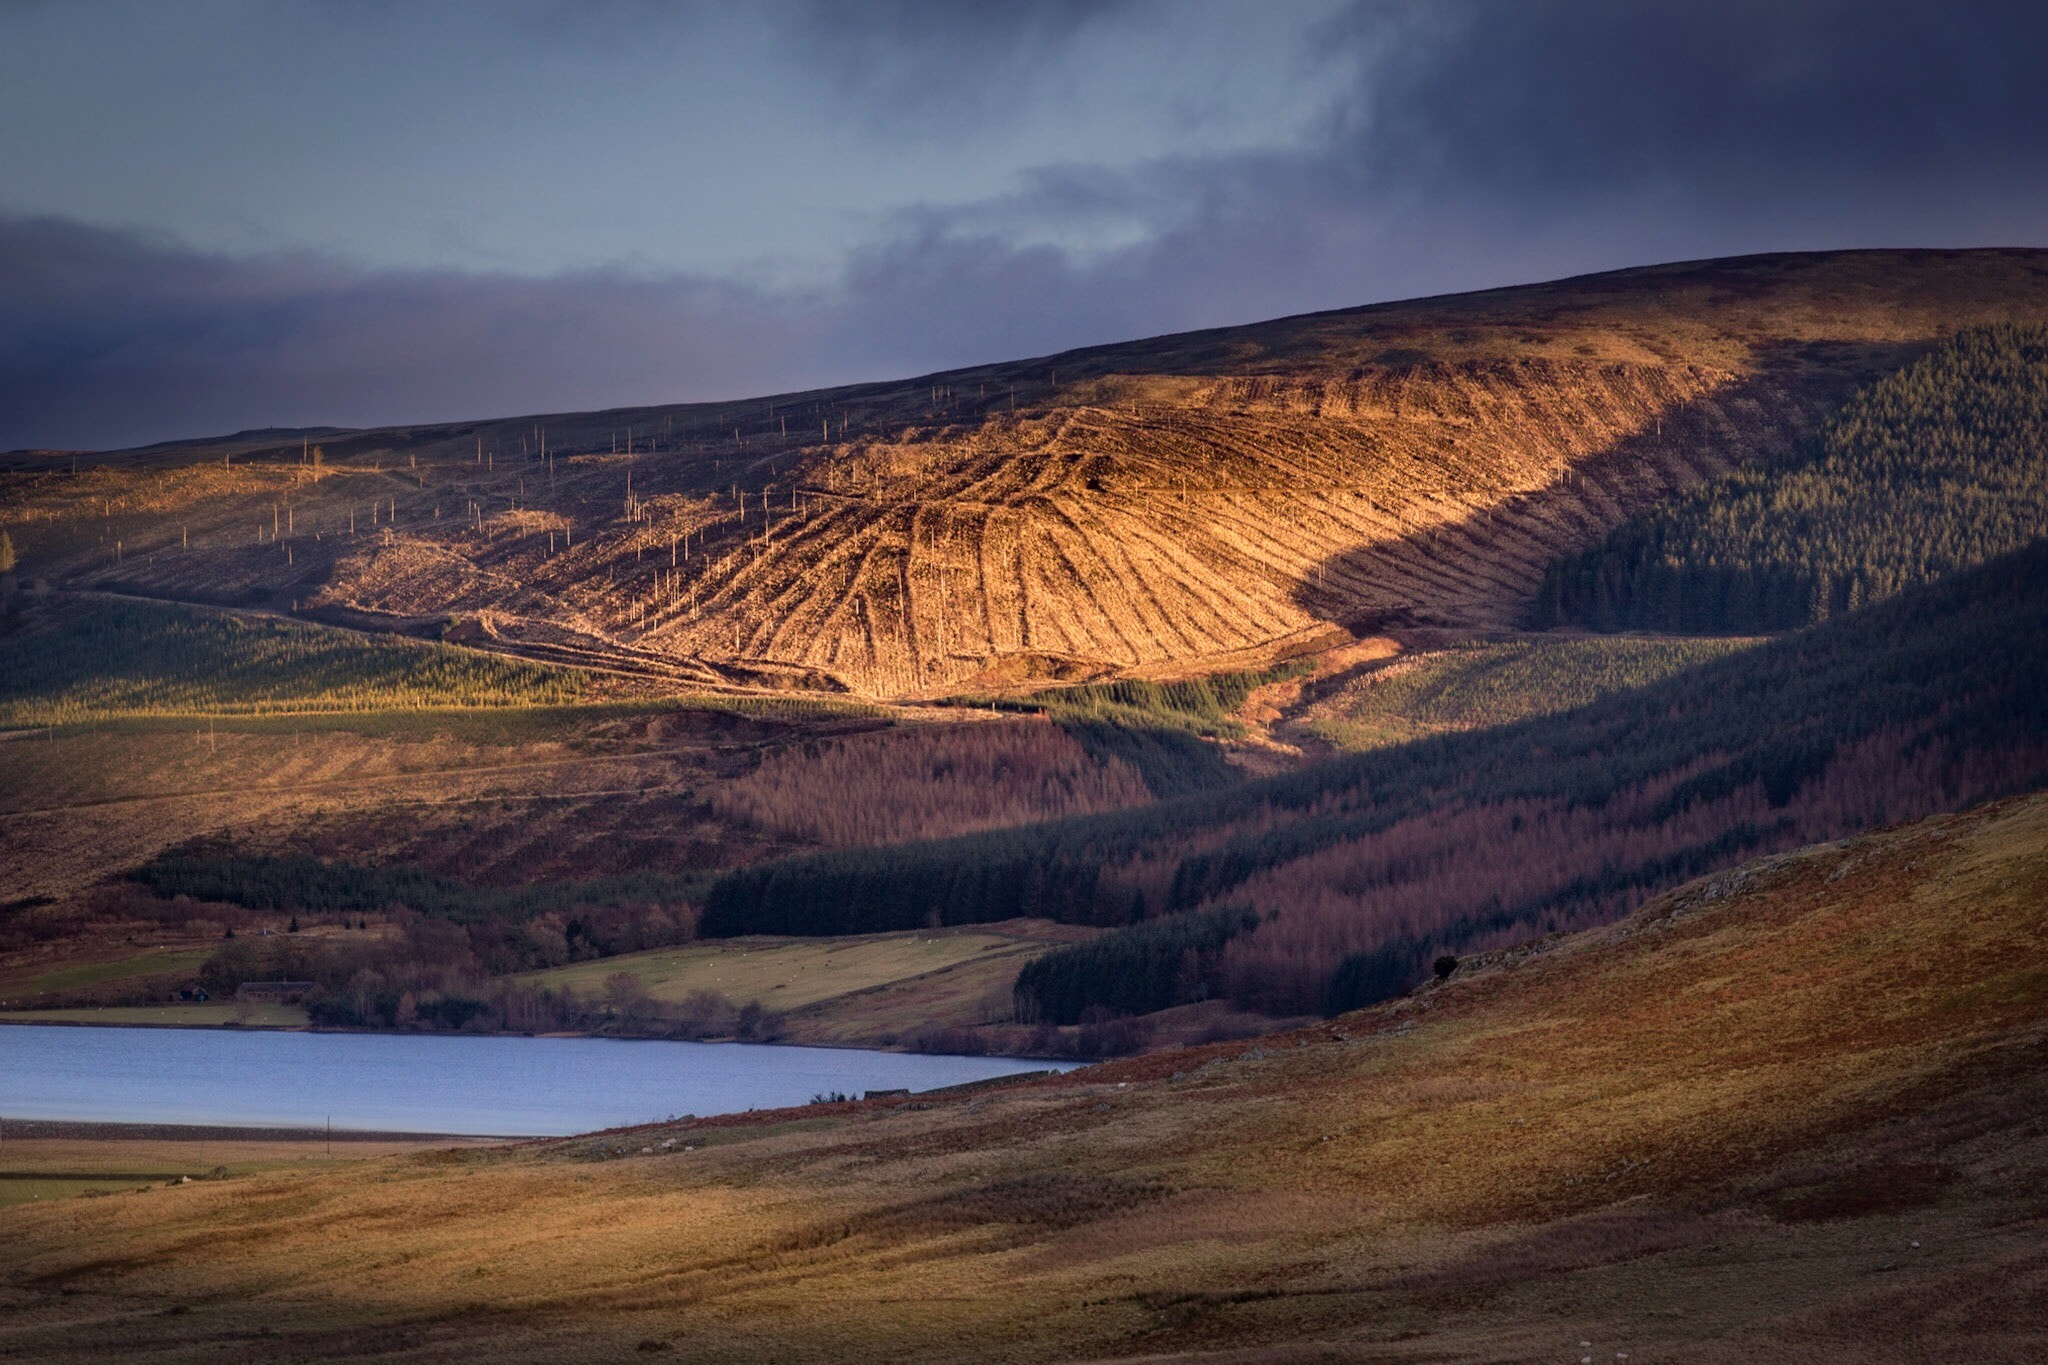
{"x": 1498, "y": 682}
{"x": 122, "y": 659}
{"x": 1619, "y": 1137}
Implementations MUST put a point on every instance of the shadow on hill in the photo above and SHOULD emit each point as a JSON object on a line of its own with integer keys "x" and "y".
{"x": 1452, "y": 575}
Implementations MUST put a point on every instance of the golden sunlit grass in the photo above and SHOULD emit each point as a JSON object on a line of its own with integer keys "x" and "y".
{"x": 785, "y": 974}
{"x": 38, "y": 1168}
{"x": 1478, "y": 683}
{"x": 1700, "y": 1132}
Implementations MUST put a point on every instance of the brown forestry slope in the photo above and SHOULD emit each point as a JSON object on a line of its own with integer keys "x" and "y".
{"x": 1154, "y": 504}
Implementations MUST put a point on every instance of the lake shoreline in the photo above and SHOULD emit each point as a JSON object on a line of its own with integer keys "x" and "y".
{"x": 26, "y": 1020}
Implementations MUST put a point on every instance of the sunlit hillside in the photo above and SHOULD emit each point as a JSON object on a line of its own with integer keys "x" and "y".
{"x": 1188, "y": 501}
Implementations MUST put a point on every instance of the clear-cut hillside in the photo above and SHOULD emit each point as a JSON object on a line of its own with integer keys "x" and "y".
{"x": 1149, "y": 506}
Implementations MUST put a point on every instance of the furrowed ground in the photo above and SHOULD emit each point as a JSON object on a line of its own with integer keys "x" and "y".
{"x": 1195, "y": 501}
{"x": 1792, "y": 1111}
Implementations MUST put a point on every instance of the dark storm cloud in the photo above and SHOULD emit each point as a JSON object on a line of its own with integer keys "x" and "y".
{"x": 1477, "y": 144}
{"x": 900, "y": 63}
{"x": 111, "y": 338}
{"x": 1490, "y": 143}
{"x": 1550, "y": 98}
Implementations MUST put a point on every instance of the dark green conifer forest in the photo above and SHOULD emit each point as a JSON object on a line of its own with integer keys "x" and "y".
{"x": 1935, "y": 468}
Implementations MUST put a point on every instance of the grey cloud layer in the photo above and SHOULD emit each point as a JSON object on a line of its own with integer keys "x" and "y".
{"x": 1479, "y": 144}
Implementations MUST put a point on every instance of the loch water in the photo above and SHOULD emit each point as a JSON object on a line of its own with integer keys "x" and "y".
{"x": 432, "y": 1083}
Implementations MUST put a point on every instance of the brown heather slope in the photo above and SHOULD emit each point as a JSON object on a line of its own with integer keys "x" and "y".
{"x": 1796, "y": 1112}
{"x": 1165, "y": 503}
{"x": 576, "y": 798}
{"x": 487, "y": 797}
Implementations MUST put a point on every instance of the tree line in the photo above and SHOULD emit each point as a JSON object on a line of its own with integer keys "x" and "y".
{"x": 1202, "y": 706}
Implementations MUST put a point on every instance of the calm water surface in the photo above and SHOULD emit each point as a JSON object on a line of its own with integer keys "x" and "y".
{"x": 428, "y": 1083}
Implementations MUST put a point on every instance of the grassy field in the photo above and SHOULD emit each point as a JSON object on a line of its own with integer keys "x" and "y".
{"x": 870, "y": 990}
{"x": 34, "y": 980}
{"x": 106, "y": 658}
{"x": 212, "y": 1014}
{"x": 787, "y": 974}
{"x": 1793, "y": 1111}
{"x": 38, "y": 1168}
{"x": 1495, "y": 682}
{"x": 30, "y": 1191}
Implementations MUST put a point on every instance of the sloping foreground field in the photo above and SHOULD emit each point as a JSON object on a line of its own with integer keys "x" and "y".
{"x": 1173, "y": 502}
{"x": 1798, "y": 1111}
{"x": 48, "y": 1161}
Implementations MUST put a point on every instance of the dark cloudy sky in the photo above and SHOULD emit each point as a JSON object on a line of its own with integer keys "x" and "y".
{"x": 218, "y": 214}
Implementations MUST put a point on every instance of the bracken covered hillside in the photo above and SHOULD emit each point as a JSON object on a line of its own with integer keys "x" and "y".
{"x": 1156, "y": 505}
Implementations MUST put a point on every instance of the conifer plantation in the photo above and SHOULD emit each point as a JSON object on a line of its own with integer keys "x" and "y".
{"x": 1936, "y": 468}
{"x": 1926, "y": 703}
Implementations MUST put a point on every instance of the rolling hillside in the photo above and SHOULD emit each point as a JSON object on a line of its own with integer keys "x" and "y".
{"x": 1792, "y": 1112}
{"x": 1353, "y": 874}
{"x": 1508, "y": 812}
{"x": 1203, "y": 500}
